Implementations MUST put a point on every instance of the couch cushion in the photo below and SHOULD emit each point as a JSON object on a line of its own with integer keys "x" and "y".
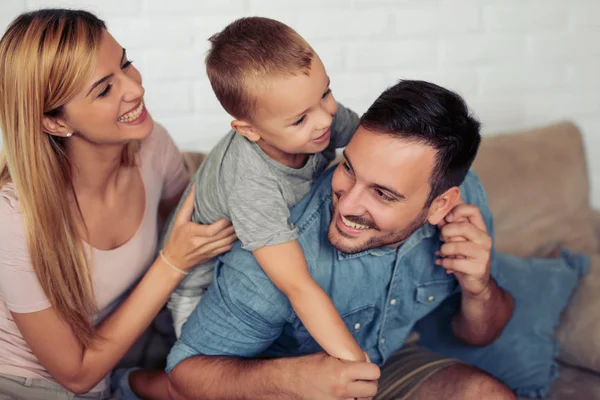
{"x": 523, "y": 355}
{"x": 537, "y": 185}
{"x": 579, "y": 331}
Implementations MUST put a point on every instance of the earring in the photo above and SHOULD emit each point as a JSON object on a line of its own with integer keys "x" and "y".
{"x": 69, "y": 134}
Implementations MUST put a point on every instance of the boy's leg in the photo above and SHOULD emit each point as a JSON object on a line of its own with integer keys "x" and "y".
{"x": 187, "y": 295}
{"x": 181, "y": 308}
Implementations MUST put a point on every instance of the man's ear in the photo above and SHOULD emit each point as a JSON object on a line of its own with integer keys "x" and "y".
{"x": 56, "y": 127}
{"x": 442, "y": 205}
{"x": 245, "y": 129}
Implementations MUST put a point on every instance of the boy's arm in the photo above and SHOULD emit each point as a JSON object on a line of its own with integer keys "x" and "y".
{"x": 343, "y": 126}
{"x": 286, "y": 266}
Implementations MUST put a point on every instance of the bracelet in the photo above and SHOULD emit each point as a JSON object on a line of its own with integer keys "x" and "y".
{"x": 171, "y": 265}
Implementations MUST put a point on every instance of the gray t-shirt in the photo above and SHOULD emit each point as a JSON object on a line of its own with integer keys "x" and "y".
{"x": 239, "y": 182}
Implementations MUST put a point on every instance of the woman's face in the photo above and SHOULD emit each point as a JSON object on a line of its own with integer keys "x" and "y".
{"x": 110, "y": 109}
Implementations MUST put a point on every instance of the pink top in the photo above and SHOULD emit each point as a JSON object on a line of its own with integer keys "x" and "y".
{"x": 115, "y": 271}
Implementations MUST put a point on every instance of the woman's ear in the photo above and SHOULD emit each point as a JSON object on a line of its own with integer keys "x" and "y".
{"x": 56, "y": 127}
{"x": 245, "y": 129}
{"x": 443, "y": 204}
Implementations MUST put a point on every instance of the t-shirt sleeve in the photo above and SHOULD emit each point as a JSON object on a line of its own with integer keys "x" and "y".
{"x": 19, "y": 285}
{"x": 241, "y": 314}
{"x": 170, "y": 163}
{"x": 343, "y": 127}
{"x": 260, "y": 214}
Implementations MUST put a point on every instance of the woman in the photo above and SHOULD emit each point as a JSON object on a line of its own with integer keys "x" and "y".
{"x": 83, "y": 174}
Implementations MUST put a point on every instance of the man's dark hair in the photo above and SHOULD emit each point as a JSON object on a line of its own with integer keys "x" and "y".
{"x": 427, "y": 113}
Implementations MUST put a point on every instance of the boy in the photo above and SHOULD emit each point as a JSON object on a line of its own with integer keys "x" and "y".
{"x": 286, "y": 128}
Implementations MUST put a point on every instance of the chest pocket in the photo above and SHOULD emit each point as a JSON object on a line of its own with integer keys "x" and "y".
{"x": 429, "y": 295}
{"x": 359, "y": 322}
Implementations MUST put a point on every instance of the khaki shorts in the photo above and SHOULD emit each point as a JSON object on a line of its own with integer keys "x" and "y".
{"x": 19, "y": 388}
{"x": 406, "y": 369}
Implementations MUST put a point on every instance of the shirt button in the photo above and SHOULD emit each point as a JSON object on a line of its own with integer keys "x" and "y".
{"x": 357, "y": 326}
{"x": 431, "y": 298}
{"x": 393, "y": 301}
{"x": 382, "y": 340}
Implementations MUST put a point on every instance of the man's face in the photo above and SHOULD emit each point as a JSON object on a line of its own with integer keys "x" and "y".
{"x": 379, "y": 191}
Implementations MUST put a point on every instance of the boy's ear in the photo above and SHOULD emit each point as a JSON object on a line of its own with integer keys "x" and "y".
{"x": 245, "y": 129}
{"x": 442, "y": 205}
{"x": 55, "y": 127}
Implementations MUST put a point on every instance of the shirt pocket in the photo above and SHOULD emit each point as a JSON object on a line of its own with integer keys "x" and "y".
{"x": 359, "y": 322}
{"x": 429, "y": 295}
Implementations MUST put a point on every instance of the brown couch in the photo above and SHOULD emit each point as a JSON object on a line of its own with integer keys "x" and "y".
{"x": 538, "y": 187}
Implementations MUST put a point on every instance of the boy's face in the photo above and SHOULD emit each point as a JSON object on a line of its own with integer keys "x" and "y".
{"x": 294, "y": 113}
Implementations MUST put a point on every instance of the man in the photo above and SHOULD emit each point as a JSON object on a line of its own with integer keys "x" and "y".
{"x": 372, "y": 232}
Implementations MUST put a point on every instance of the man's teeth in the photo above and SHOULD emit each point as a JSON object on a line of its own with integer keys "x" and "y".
{"x": 353, "y": 225}
{"x": 133, "y": 115}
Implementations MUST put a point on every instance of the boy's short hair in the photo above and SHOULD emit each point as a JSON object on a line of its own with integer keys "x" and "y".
{"x": 246, "y": 53}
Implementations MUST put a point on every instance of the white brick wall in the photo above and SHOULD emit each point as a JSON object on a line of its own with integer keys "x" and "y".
{"x": 519, "y": 63}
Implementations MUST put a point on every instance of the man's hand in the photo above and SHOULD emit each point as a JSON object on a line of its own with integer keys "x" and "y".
{"x": 467, "y": 249}
{"x": 320, "y": 376}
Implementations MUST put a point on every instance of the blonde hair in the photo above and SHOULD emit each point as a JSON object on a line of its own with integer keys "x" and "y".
{"x": 251, "y": 49}
{"x": 46, "y": 58}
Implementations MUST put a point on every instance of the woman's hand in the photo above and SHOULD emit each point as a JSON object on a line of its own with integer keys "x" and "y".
{"x": 191, "y": 244}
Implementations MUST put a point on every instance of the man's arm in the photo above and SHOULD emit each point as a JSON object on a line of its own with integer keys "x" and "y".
{"x": 317, "y": 376}
{"x": 483, "y": 317}
{"x": 485, "y": 307}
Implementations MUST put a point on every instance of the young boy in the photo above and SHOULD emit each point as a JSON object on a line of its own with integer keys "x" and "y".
{"x": 286, "y": 128}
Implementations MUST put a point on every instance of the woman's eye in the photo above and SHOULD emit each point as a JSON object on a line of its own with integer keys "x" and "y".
{"x": 105, "y": 92}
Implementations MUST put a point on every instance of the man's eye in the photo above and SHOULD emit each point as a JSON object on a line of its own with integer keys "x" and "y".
{"x": 383, "y": 196}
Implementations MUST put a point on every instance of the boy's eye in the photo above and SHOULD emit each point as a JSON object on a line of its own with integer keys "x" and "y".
{"x": 105, "y": 92}
{"x": 127, "y": 64}
{"x": 301, "y": 120}
{"x": 326, "y": 94}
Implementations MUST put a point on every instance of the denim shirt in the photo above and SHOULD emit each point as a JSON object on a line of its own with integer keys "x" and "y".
{"x": 380, "y": 293}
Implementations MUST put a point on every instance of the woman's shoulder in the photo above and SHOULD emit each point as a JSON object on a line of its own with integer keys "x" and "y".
{"x": 13, "y": 244}
{"x": 9, "y": 202}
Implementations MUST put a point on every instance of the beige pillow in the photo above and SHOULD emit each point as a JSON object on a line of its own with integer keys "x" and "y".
{"x": 579, "y": 332}
{"x": 537, "y": 185}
